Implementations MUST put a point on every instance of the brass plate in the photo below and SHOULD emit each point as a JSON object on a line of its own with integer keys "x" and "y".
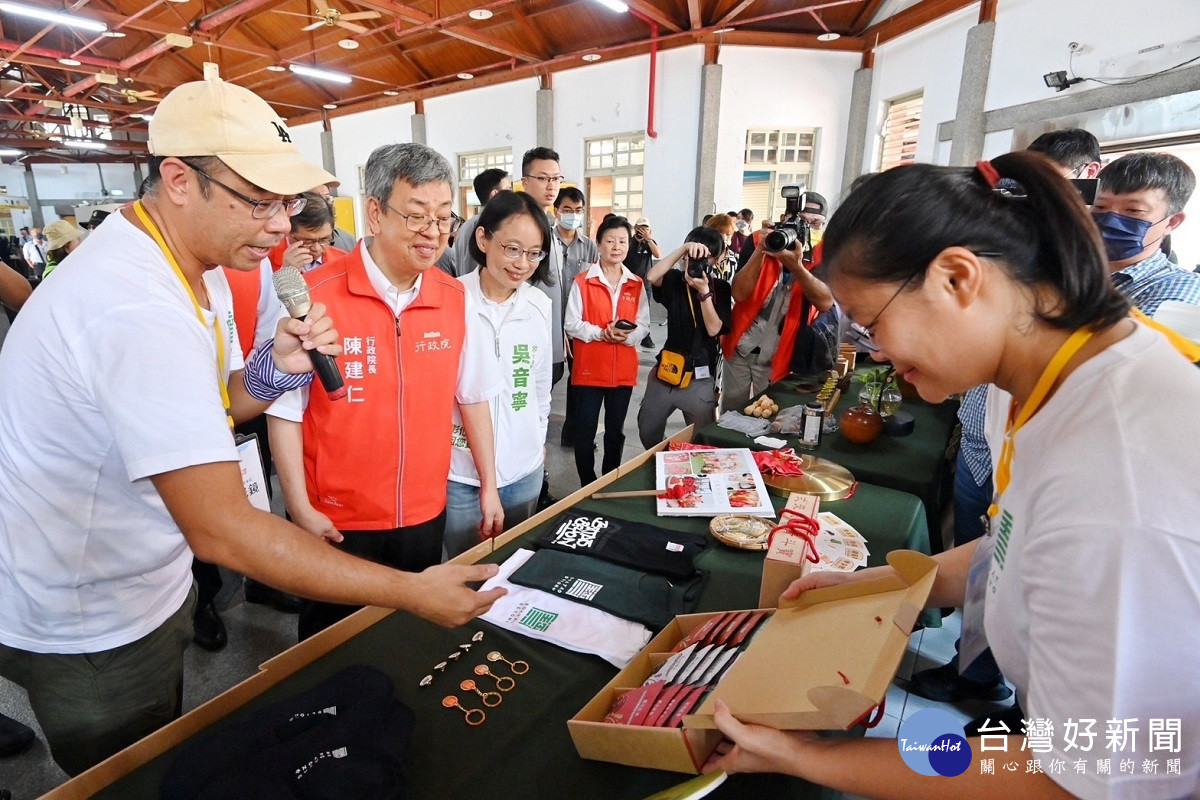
{"x": 825, "y": 479}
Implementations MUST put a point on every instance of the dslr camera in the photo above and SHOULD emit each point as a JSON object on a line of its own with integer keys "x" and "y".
{"x": 697, "y": 268}
{"x": 794, "y": 228}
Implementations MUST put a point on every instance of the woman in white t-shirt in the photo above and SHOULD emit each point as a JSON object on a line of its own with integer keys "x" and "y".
{"x": 1088, "y": 584}
{"x": 510, "y": 245}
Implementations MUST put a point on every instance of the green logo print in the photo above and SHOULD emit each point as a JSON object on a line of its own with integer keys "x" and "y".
{"x": 538, "y": 620}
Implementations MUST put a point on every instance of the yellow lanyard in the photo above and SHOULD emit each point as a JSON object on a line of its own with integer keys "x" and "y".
{"x": 187, "y": 287}
{"x": 1036, "y": 398}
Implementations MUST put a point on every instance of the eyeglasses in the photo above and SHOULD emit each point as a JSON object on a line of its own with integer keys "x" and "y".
{"x": 418, "y": 223}
{"x": 512, "y": 253}
{"x": 545, "y": 178}
{"x": 260, "y": 209}
{"x": 322, "y": 243}
{"x": 861, "y": 334}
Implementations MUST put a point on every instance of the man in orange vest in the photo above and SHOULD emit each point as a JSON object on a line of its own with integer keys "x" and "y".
{"x": 369, "y": 472}
{"x": 770, "y": 293}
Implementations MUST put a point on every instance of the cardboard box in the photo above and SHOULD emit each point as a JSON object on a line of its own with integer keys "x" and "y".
{"x": 822, "y": 662}
{"x": 785, "y": 561}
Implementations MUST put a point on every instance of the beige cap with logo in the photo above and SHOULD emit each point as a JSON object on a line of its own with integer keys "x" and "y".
{"x": 215, "y": 118}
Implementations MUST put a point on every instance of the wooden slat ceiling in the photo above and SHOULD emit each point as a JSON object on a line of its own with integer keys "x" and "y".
{"x": 406, "y": 51}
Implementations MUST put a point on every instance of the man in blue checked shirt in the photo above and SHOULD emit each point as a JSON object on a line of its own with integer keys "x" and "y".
{"x": 1140, "y": 202}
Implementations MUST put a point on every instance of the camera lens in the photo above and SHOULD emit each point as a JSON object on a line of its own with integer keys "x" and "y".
{"x": 695, "y": 268}
{"x": 780, "y": 239}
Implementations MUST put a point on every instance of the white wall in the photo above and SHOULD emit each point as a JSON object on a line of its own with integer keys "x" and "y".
{"x": 804, "y": 88}
{"x": 612, "y": 97}
{"x": 1032, "y": 38}
{"x": 484, "y": 119}
{"x": 79, "y": 182}
{"x": 927, "y": 60}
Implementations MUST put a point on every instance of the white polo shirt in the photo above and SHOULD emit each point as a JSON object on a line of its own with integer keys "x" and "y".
{"x": 107, "y": 378}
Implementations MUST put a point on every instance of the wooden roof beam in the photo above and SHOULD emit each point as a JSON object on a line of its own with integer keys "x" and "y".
{"x": 642, "y": 7}
{"x": 695, "y": 17}
{"x": 912, "y": 18}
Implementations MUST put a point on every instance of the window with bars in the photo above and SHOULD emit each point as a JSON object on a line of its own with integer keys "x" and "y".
{"x": 901, "y": 127}
{"x": 470, "y": 165}
{"x": 613, "y": 170}
{"x": 774, "y": 159}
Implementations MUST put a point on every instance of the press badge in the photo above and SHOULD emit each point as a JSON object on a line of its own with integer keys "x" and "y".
{"x": 974, "y": 639}
{"x": 254, "y": 479}
{"x": 701, "y": 372}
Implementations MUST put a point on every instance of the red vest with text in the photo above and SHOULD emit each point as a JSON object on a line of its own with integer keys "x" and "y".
{"x": 378, "y": 458}
{"x": 745, "y": 312}
{"x": 603, "y": 363}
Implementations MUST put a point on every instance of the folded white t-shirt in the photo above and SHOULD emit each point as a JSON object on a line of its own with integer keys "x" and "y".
{"x": 550, "y": 618}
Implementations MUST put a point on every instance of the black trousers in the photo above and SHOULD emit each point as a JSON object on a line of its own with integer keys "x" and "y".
{"x": 412, "y": 548}
{"x": 589, "y": 399}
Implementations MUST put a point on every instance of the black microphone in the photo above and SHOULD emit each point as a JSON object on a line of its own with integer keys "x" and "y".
{"x": 293, "y": 293}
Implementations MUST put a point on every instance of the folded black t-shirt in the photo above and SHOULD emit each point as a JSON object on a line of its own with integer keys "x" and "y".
{"x": 627, "y": 593}
{"x": 644, "y": 547}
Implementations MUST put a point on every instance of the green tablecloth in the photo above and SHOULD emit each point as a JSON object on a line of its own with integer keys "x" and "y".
{"x": 524, "y": 750}
{"x": 916, "y": 463}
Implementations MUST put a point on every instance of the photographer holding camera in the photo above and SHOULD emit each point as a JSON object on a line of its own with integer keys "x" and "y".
{"x": 777, "y": 299}
{"x": 699, "y": 309}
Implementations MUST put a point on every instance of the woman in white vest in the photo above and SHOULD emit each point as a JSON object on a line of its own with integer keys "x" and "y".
{"x": 510, "y": 245}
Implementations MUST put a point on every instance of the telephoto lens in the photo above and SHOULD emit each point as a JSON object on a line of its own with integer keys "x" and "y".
{"x": 780, "y": 239}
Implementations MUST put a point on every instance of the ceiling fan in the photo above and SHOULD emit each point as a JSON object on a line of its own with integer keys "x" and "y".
{"x": 134, "y": 96}
{"x": 328, "y": 16}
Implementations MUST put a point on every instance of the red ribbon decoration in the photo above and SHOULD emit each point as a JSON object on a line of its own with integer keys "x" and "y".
{"x": 990, "y": 176}
{"x": 801, "y": 525}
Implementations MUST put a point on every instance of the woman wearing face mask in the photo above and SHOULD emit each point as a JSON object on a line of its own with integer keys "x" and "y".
{"x": 510, "y": 245}
{"x": 699, "y": 306}
{"x": 727, "y": 265}
{"x": 1093, "y": 555}
{"x": 606, "y": 316}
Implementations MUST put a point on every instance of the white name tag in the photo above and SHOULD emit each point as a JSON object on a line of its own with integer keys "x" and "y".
{"x": 701, "y": 372}
{"x": 254, "y": 479}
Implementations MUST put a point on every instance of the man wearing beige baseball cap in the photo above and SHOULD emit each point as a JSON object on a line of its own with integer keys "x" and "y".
{"x": 116, "y": 458}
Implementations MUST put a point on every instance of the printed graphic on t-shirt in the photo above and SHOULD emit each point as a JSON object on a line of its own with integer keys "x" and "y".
{"x": 577, "y": 588}
{"x": 538, "y": 620}
{"x": 579, "y": 533}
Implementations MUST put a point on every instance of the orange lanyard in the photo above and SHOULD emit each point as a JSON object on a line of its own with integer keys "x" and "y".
{"x": 187, "y": 287}
{"x": 1036, "y": 398}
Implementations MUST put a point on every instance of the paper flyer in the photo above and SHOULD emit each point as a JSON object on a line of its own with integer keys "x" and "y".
{"x": 697, "y": 483}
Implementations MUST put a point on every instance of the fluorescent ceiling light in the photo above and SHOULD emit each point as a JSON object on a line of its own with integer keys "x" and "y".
{"x": 53, "y": 16}
{"x": 70, "y": 62}
{"x": 115, "y": 34}
{"x": 613, "y": 5}
{"x": 276, "y": 68}
{"x": 479, "y": 13}
{"x": 723, "y": 30}
{"x": 85, "y": 144}
{"x": 319, "y": 74}
{"x": 7, "y": 151}
{"x": 390, "y": 92}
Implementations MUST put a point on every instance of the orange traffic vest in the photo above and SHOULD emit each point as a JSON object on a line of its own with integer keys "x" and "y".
{"x": 378, "y": 458}
{"x": 603, "y": 363}
{"x": 275, "y": 256}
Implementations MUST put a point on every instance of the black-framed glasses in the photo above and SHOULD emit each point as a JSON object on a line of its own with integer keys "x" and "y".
{"x": 545, "y": 178}
{"x": 512, "y": 253}
{"x": 322, "y": 243}
{"x": 418, "y": 223}
{"x": 260, "y": 209}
